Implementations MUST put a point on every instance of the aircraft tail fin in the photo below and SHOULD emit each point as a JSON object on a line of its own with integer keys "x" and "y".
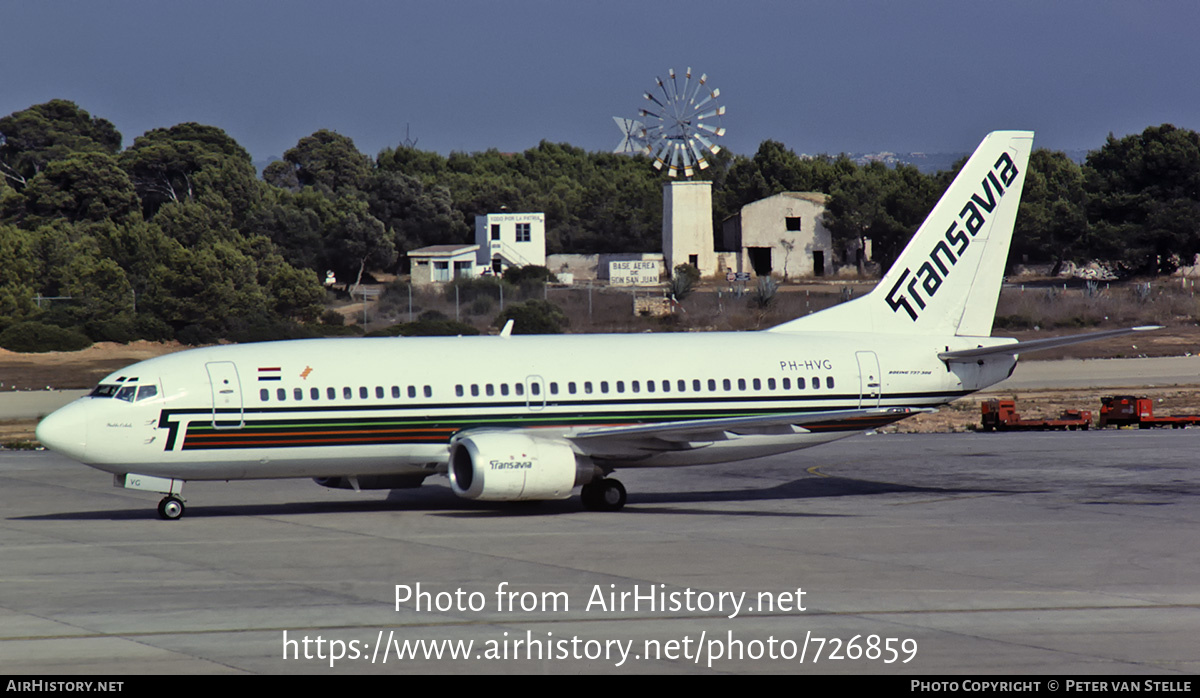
{"x": 947, "y": 279}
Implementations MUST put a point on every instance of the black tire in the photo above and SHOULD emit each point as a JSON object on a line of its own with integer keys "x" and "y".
{"x": 170, "y": 508}
{"x": 603, "y": 495}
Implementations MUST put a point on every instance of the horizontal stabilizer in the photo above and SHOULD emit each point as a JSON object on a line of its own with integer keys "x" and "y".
{"x": 1039, "y": 344}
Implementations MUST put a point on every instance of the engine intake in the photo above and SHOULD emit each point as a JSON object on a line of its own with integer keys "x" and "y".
{"x": 512, "y": 467}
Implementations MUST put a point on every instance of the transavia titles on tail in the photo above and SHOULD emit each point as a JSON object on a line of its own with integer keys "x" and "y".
{"x": 533, "y": 417}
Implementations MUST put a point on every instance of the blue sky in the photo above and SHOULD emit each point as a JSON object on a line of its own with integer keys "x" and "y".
{"x": 468, "y": 75}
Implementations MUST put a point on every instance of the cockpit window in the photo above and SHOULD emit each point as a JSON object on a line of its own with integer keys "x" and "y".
{"x": 128, "y": 393}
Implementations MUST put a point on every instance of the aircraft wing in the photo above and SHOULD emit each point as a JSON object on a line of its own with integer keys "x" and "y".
{"x": 630, "y": 439}
{"x": 970, "y": 355}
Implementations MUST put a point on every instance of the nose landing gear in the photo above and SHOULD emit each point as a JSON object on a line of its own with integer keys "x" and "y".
{"x": 170, "y": 508}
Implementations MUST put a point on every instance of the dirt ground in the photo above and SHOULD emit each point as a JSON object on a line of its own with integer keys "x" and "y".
{"x": 83, "y": 369}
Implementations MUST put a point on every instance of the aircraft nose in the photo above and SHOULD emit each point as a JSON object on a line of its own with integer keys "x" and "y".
{"x": 65, "y": 430}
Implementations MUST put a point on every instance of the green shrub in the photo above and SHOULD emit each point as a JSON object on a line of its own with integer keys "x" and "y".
{"x": 33, "y": 337}
{"x": 531, "y": 273}
{"x": 479, "y": 287}
{"x": 683, "y": 280}
{"x": 534, "y": 317}
{"x": 426, "y": 327}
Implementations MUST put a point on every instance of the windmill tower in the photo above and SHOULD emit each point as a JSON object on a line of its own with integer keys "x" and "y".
{"x": 680, "y": 127}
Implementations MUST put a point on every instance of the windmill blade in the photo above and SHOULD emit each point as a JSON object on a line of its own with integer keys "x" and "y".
{"x": 663, "y": 87}
{"x": 717, "y": 131}
{"x": 711, "y": 96}
{"x": 700, "y": 159}
{"x": 660, "y": 159}
{"x": 719, "y": 111}
{"x": 714, "y": 149}
{"x": 699, "y": 86}
{"x": 674, "y": 171}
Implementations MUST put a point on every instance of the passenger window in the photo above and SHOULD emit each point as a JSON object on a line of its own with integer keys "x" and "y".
{"x": 829, "y": 382}
{"x": 712, "y": 384}
{"x": 770, "y": 384}
{"x": 504, "y": 388}
{"x": 787, "y": 383}
{"x": 604, "y": 386}
{"x": 535, "y": 388}
{"x": 264, "y": 395}
{"x": 636, "y": 386}
{"x": 280, "y": 394}
{"x": 587, "y": 387}
{"x": 396, "y": 391}
{"x": 298, "y": 393}
{"x": 620, "y": 386}
{"x": 553, "y": 388}
{"x": 816, "y": 383}
{"x": 650, "y": 386}
{"x": 428, "y": 391}
{"x": 799, "y": 384}
{"x": 458, "y": 390}
{"x": 757, "y": 384}
{"x": 474, "y": 390}
{"x": 489, "y": 389}
{"x": 726, "y": 384}
{"x": 314, "y": 393}
{"x": 519, "y": 388}
{"x": 347, "y": 393}
{"x": 741, "y": 384}
{"x": 379, "y": 392}
{"x": 362, "y": 392}
{"x": 571, "y": 387}
{"x": 695, "y": 385}
{"x": 412, "y": 391}
{"x": 331, "y": 393}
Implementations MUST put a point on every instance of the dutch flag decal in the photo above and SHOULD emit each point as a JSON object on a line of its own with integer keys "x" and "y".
{"x": 269, "y": 374}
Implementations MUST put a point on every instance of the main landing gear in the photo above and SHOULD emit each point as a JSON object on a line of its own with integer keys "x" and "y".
{"x": 605, "y": 494}
{"x": 170, "y": 508}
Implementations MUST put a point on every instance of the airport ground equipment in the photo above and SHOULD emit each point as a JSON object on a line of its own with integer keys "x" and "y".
{"x": 1002, "y": 415}
{"x": 1129, "y": 410}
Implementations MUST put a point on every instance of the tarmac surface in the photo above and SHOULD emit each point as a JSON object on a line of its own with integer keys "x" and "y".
{"x": 1040, "y": 553}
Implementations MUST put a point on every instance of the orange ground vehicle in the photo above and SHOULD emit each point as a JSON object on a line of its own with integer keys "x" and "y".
{"x": 1001, "y": 415}
{"x": 1128, "y": 410}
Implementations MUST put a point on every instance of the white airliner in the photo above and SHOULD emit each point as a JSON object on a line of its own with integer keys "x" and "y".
{"x": 533, "y": 417}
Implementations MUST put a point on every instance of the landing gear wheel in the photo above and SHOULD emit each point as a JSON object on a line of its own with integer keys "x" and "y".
{"x": 603, "y": 495}
{"x": 170, "y": 508}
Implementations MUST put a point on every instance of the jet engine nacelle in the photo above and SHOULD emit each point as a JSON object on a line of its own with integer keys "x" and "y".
{"x": 513, "y": 467}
